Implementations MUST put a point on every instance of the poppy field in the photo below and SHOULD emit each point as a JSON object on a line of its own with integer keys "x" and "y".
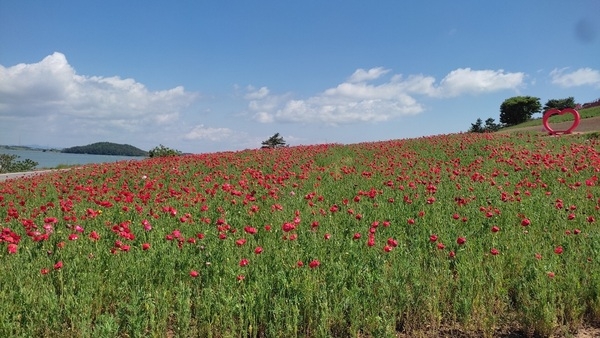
{"x": 470, "y": 232}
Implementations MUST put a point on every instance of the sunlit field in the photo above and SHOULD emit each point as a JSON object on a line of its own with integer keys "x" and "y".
{"x": 481, "y": 233}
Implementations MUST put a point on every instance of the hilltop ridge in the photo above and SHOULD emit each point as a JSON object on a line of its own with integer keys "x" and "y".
{"x": 106, "y": 148}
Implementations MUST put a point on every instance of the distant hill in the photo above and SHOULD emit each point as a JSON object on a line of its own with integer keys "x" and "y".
{"x": 106, "y": 148}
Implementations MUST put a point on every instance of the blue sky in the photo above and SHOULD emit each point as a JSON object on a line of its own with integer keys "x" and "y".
{"x": 205, "y": 76}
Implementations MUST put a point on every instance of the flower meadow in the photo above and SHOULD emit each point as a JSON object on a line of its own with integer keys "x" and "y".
{"x": 473, "y": 232}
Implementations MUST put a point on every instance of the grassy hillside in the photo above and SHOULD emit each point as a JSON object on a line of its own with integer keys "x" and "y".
{"x": 584, "y": 113}
{"x": 465, "y": 235}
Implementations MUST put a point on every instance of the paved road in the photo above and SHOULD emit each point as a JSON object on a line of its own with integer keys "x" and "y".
{"x": 4, "y": 177}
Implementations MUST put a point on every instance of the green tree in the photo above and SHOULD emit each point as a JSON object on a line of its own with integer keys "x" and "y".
{"x": 479, "y": 127}
{"x": 476, "y": 127}
{"x": 491, "y": 125}
{"x": 9, "y": 165}
{"x": 569, "y": 102}
{"x": 519, "y": 109}
{"x": 162, "y": 151}
{"x": 274, "y": 141}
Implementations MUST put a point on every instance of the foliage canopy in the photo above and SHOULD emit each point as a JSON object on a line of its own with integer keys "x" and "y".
{"x": 9, "y": 165}
{"x": 162, "y": 151}
{"x": 519, "y": 109}
{"x": 275, "y": 141}
{"x": 569, "y": 102}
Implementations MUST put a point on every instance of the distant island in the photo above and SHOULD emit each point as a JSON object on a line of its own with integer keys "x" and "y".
{"x": 106, "y": 148}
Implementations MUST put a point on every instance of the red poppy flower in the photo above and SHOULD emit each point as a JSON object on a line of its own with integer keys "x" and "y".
{"x": 314, "y": 263}
{"x": 12, "y": 248}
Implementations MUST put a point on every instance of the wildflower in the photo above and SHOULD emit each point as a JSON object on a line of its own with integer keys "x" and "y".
{"x": 258, "y": 250}
{"x": 145, "y": 246}
{"x": 494, "y": 251}
{"x": 287, "y": 227}
{"x": 94, "y": 236}
{"x": 147, "y": 226}
{"x": 299, "y": 264}
{"x": 495, "y": 228}
{"x": 194, "y": 274}
{"x": 58, "y": 265}
{"x": 250, "y": 230}
{"x": 558, "y": 250}
{"x": 12, "y": 248}
{"x": 433, "y": 238}
{"x": 44, "y": 271}
{"x": 525, "y": 222}
{"x": 356, "y": 236}
{"x": 244, "y": 262}
{"x": 461, "y": 240}
{"x": 314, "y": 263}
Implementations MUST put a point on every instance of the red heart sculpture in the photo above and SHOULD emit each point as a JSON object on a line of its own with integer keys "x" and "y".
{"x": 561, "y": 112}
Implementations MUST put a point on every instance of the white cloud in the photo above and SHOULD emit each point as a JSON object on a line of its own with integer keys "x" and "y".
{"x": 200, "y": 132}
{"x": 579, "y": 77}
{"x": 53, "y": 86}
{"x": 256, "y": 94}
{"x": 361, "y": 75}
{"x": 468, "y": 81}
{"x": 359, "y": 100}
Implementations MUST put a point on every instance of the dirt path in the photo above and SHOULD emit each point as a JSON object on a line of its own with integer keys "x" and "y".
{"x": 8, "y": 176}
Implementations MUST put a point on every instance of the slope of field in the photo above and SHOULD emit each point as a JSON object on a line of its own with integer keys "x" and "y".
{"x": 463, "y": 235}
{"x": 587, "y": 125}
{"x": 590, "y": 121}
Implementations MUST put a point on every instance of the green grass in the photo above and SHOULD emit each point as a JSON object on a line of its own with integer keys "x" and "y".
{"x": 583, "y": 113}
{"x": 210, "y": 212}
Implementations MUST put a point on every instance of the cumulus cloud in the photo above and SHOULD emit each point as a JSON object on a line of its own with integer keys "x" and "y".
{"x": 52, "y": 86}
{"x": 360, "y": 100}
{"x": 579, "y": 77}
{"x": 200, "y": 132}
{"x": 361, "y": 75}
{"x": 256, "y": 94}
{"x": 467, "y": 81}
